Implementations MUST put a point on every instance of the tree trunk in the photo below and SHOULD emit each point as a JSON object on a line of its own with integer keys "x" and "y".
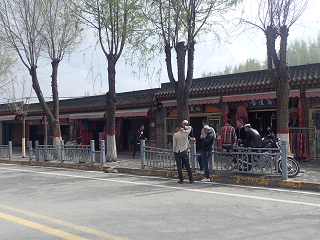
{"x": 283, "y": 90}
{"x": 182, "y": 93}
{"x": 111, "y": 153}
{"x": 56, "y": 125}
{"x": 43, "y": 104}
{"x": 183, "y": 85}
{"x": 280, "y": 79}
{"x": 23, "y": 135}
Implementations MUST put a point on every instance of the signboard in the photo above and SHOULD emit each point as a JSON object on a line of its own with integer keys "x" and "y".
{"x": 262, "y": 103}
{"x": 195, "y": 109}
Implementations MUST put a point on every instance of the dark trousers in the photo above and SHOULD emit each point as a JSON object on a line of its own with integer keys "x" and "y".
{"x": 200, "y": 162}
{"x": 182, "y": 158}
{"x": 206, "y": 156}
{"x": 136, "y": 148}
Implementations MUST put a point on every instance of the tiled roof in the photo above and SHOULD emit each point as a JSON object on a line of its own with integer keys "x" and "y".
{"x": 127, "y": 100}
{"x": 238, "y": 83}
{"x": 303, "y": 76}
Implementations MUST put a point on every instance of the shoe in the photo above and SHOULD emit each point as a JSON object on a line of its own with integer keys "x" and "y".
{"x": 192, "y": 181}
{"x": 205, "y": 180}
{"x": 133, "y": 157}
{"x": 180, "y": 182}
{"x": 201, "y": 172}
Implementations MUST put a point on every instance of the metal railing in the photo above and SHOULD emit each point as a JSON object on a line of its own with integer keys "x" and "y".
{"x": 6, "y": 150}
{"x": 245, "y": 160}
{"x": 68, "y": 153}
{"x": 156, "y": 157}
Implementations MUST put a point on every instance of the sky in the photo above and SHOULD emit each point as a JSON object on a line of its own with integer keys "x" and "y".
{"x": 84, "y": 72}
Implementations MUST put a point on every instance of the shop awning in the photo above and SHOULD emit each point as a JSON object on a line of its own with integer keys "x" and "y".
{"x": 247, "y": 97}
{"x": 313, "y": 93}
{"x": 256, "y": 96}
{"x": 294, "y": 93}
{"x": 44, "y": 117}
{"x": 86, "y": 115}
{"x": 132, "y": 112}
{"x": 207, "y": 100}
{"x": 7, "y": 117}
{"x": 119, "y": 113}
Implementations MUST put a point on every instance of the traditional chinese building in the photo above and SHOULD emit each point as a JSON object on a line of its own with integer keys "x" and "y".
{"x": 250, "y": 96}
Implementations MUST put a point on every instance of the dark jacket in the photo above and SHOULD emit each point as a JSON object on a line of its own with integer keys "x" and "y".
{"x": 241, "y": 134}
{"x": 207, "y": 142}
{"x": 253, "y": 138}
{"x": 139, "y": 136}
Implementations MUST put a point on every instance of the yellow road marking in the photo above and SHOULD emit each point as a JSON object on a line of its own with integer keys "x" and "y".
{"x": 63, "y": 223}
{"x": 40, "y": 227}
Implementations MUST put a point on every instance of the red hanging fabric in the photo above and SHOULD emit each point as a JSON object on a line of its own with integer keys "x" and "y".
{"x": 301, "y": 112}
{"x": 226, "y": 114}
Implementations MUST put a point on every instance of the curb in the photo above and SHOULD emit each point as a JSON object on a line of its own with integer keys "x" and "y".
{"x": 221, "y": 178}
{"x": 229, "y": 179}
{"x": 53, "y": 164}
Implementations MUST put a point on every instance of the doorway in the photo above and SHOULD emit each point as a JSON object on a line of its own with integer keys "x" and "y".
{"x": 262, "y": 119}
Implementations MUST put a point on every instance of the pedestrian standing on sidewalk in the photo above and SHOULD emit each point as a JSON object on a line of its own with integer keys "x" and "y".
{"x": 180, "y": 146}
{"x": 204, "y": 123}
{"x": 138, "y": 137}
{"x": 191, "y": 136}
{"x": 206, "y": 151}
{"x": 240, "y": 131}
{"x": 228, "y": 136}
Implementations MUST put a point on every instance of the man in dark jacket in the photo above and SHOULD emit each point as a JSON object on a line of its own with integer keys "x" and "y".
{"x": 240, "y": 131}
{"x": 206, "y": 151}
{"x": 253, "y": 138}
{"x": 138, "y": 137}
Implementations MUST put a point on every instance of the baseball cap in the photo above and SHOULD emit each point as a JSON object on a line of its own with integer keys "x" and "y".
{"x": 247, "y": 125}
{"x": 206, "y": 127}
{"x": 185, "y": 121}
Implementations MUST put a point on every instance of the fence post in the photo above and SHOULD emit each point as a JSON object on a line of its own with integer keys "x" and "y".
{"x": 62, "y": 150}
{"x": 102, "y": 152}
{"x": 10, "y": 150}
{"x": 92, "y": 151}
{"x": 193, "y": 155}
{"x": 30, "y": 151}
{"x": 284, "y": 160}
{"x": 143, "y": 156}
{"x": 37, "y": 150}
{"x": 211, "y": 163}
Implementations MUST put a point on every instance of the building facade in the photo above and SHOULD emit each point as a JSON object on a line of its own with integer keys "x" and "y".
{"x": 250, "y": 96}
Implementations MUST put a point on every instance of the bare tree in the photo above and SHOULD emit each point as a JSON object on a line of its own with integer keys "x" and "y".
{"x": 29, "y": 27}
{"x": 20, "y": 106}
{"x": 7, "y": 66}
{"x": 180, "y": 23}
{"x": 117, "y": 23}
{"x": 275, "y": 17}
{"x": 60, "y": 35}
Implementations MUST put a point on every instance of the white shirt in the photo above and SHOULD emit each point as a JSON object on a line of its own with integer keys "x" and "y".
{"x": 180, "y": 140}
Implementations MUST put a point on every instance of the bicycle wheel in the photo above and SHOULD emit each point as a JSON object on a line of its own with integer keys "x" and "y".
{"x": 228, "y": 162}
{"x": 293, "y": 167}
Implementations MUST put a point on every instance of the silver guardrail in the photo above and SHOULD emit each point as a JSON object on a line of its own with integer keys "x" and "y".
{"x": 6, "y": 150}
{"x": 245, "y": 160}
{"x": 156, "y": 157}
{"x": 68, "y": 152}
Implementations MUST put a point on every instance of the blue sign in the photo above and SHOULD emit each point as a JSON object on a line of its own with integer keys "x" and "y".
{"x": 262, "y": 103}
{"x": 195, "y": 109}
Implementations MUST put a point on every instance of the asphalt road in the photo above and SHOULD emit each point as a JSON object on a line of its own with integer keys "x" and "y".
{"x": 52, "y": 203}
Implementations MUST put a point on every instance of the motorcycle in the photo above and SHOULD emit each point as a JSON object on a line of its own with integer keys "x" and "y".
{"x": 271, "y": 141}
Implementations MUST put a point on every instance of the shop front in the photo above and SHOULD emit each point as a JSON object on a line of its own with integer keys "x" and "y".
{"x": 260, "y": 109}
{"x": 314, "y": 122}
{"x": 200, "y": 109}
{"x": 87, "y": 126}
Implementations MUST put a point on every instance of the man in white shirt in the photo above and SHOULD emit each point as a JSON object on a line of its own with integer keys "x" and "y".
{"x": 180, "y": 146}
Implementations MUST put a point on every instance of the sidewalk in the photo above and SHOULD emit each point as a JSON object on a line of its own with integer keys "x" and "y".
{"x": 308, "y": 178}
